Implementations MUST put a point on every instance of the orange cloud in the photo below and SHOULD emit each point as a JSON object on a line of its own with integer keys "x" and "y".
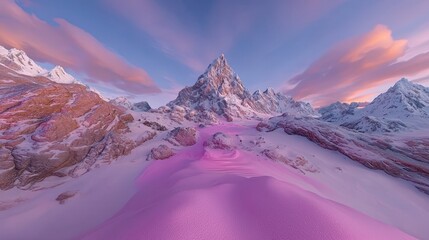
{"x": 352, "y": 67}
{"x": 71, "y": 47}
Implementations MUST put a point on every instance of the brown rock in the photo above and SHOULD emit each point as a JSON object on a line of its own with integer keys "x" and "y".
{"x": 183, "y": 136}
{"x": 161, "y": 152}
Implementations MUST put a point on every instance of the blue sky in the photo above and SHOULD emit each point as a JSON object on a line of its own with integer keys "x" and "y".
{"x": 166, "y": 45}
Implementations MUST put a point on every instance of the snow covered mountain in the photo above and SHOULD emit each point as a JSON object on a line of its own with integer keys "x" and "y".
{"x": 59, "y": 75}
{"x": 338, "y": 112}
{"x": 18, "y": 61}
{"x": 271, "y": 102}
{"x": 404, "y": 106}
{"x": 405, "y": 99}
{"x": 221, "y": 91}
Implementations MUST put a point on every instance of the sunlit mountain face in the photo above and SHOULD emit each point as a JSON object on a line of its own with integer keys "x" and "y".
{"x": 214, "y": 120}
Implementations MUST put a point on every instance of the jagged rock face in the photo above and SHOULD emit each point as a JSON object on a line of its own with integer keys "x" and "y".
{"x": 142, "y": 106}
{"x": 220, "y": 90}
{"x": 402, "y": 157}
{"x": 45, "y": 127}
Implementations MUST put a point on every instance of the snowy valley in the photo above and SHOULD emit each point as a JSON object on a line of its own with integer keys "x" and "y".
{"x": 218, "y": 162}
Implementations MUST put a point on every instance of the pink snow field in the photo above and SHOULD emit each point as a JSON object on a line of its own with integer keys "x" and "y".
{"x": 204, "y": 193}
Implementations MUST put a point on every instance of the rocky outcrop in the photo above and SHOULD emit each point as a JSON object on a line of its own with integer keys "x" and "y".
{"x": 220, "y": 141}
{"x": 182, "y": 136}
{"x": 142, "y": 106}
{"x": 299, "y": 162}
{"x": 399, "y": 156}
{"x": 155, "y": 126}
{"x": 47, "y": 127}
{"x": 161, "y": 152}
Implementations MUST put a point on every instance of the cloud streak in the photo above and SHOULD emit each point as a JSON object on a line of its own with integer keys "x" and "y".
{"x": 196, "y": 41}
{"x": 71, "y": 47}
{"x": 174, "y": 35}
{"x": 349, "y": 69}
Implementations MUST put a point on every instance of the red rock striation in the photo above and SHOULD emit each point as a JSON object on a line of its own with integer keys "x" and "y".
{"x": 397, "y": 156}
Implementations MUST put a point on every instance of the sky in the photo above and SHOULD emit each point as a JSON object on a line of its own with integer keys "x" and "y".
{"x": 316, "y": 51}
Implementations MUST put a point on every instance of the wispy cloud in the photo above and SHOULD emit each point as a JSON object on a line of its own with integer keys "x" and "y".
{"x": 193, "y": 48}
{"x": 225, "y": 23}
{"x": 349, "y": 69}
{"x": 71, "y": 47}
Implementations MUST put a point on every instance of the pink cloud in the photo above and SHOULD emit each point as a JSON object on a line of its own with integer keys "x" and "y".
{"x": 71, "y": 47}
{"x": 348, "y": 70}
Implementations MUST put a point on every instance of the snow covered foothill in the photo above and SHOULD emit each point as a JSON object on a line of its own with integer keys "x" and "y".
{"x": 203, "y": 192}
{"x": 208, "y": 193}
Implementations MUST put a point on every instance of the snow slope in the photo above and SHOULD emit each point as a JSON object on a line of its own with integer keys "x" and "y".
{"x": 205, "y": 193}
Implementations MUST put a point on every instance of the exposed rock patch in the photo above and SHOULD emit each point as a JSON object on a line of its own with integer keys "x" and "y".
{"x": 182, "y": 136}
{"x": 161, "y": 152}
{"x": 299, "y": 162}
{"x": 63, "y": 197}
{"x": 155, "y": 126}
{"x": 220, "y": 141}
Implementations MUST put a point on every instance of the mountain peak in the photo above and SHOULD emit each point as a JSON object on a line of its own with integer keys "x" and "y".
{"x": 403, "y": 83}
{"x": 58, "y": 69}
{"x": 59, "y": 75}
{"x": 20, "y": 62}
{"x": 403, "y": 99}
{"x": 220, "y": 79}
{"x": 220, "y": 64}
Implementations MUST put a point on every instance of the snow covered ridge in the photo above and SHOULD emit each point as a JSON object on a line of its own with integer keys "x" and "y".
{"x": 404, "y": 156}
{"x": 18, "y": 61}
{"x": 219, "y": 90}
{"x": 405, "y": 106}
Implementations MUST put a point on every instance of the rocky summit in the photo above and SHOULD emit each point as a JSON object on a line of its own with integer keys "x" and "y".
{"x": 221, "y": 91}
